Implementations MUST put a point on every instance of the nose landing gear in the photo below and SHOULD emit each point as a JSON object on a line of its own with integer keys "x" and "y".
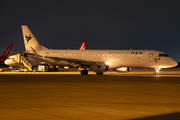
{"x": 157, "y": 71}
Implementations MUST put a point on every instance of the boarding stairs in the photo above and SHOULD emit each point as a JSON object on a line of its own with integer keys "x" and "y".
{"x": 27, "y": 63}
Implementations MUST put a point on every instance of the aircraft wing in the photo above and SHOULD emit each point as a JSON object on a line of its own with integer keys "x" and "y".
{"x": 80, "y": 61}
{"x": 76, "y": 61}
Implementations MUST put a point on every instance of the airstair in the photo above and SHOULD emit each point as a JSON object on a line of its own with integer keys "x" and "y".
{"x": 27, "y": 63}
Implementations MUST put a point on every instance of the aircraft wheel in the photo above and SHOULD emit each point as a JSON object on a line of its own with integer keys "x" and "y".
{"x": 84, "y": 72}
{"x": 99, "y": 73}
{"x": 156, "y": 73}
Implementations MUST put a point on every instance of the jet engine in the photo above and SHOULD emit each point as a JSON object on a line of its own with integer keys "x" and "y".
{"x": 100, "y": 67}
{"x": 123, "y": 69}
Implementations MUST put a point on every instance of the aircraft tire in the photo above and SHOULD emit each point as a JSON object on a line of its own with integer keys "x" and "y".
{"x": 156, "y": 73}
{"x": 99, "y": 73}
{"x": 84, "y": 72}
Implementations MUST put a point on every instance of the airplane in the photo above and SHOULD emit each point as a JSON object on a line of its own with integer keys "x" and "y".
{"x": 14, "y": 60}
{"x": 6, "y": 54}
{"x": 98, "y": 61}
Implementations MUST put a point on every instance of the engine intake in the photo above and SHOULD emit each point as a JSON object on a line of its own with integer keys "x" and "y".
{"x": 100, "y": 67}
{"x": 123, "y": 69}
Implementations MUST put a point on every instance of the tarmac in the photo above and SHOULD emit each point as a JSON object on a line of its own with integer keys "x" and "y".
{"x": 136, "y": 95}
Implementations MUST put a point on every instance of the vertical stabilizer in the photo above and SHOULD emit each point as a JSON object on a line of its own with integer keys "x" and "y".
{"x": 30, "y": 40}
{"x": 82, "y": 47}
{"x": 7, "y": 53}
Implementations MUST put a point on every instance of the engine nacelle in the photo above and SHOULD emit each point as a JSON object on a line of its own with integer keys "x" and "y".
{"x": 123, "y": 69}
{"x": 100, "y": 67}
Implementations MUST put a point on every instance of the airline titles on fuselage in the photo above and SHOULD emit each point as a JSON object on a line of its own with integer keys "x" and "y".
{"x": 133, "y": 52}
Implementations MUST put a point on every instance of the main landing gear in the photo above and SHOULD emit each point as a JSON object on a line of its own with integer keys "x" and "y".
{"x": 99, "y": 73}
{"x": 84, "y": 72}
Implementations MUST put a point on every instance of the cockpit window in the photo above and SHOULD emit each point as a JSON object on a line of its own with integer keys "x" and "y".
{"x": 166, "y": 55}
{"x": 163, "y": 55}
{"x": 160, "y": 55}
{"x": 11, "y": 58}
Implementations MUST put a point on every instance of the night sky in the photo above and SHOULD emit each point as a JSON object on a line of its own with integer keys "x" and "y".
{"x": 102, "y": 24}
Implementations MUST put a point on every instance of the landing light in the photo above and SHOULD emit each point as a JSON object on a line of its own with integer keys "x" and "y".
{"x": 66, "y": 67}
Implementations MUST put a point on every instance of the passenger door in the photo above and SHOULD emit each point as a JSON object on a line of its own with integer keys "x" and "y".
{"x": 151, "y": 55}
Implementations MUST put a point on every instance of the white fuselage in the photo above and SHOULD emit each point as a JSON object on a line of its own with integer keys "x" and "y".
{"x": 115, "y": 58}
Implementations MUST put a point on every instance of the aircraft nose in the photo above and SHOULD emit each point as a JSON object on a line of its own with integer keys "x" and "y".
{"x": 174, "y": 63}
{"x": 7, "y": 62}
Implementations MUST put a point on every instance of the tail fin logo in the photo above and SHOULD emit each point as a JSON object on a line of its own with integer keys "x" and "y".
{"x": 28, "y": 38}
{"x": 83, "y": 45}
